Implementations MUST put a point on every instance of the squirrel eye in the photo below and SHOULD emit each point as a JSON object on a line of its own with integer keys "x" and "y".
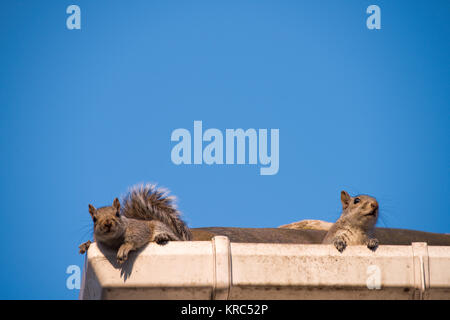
{"x": 95, "y": 219}
{"x": 357, "y": 200}
{"x": 117, "y": 214}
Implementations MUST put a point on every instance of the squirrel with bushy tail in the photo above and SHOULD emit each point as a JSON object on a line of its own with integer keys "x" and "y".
{"x": 147, "y": 214}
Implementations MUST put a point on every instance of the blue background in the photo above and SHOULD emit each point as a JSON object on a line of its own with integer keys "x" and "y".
{"x": 87, "y": 113}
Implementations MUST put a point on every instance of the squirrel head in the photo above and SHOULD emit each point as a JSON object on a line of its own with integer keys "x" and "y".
{"x": 107, "y": 221}
{"x": 362, "y": 207}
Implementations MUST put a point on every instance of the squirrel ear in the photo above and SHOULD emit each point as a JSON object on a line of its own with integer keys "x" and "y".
{"x": 345, "y": 199}
{"x": 116, "y": 204}
{"x": 92, "y": 210}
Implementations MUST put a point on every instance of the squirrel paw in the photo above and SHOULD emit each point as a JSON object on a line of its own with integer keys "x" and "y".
{"x": 162, "y": 238}
{"x": 372, "y": 244}
{"x": 340, "y": 244}
{"x": 84, "y": 246}
{"x": 122, "y": 254}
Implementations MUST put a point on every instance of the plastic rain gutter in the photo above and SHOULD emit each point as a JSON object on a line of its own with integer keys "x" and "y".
{"x": 218, "y": 269}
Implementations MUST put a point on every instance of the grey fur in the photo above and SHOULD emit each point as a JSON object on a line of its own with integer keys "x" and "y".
{"x": 147, "y": 202}
{"x": 148, "y": 215}
{"x": 356, "y": 224}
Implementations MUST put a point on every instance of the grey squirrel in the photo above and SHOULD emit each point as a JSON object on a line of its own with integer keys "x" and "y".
{"x": 356, "y": 224}
{"x": 148, "y": 214}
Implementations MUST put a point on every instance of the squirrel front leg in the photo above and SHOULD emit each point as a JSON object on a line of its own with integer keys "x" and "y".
{"x": 372, "y": 244}
{"x": 340, "y": 243}
{"x": 84, "y": 246}
{"x": 122, "y": 253}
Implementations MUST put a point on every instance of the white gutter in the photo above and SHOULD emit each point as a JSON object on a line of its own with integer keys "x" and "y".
{"x": 218, "y": 269}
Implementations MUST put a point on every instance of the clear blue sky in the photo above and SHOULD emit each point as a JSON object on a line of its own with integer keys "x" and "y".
{"x": 86, "y": 113}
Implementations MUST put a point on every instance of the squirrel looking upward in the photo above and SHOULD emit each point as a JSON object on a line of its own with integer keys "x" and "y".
{"x": 148, "y": 214}
{"x": 356, "y": 224}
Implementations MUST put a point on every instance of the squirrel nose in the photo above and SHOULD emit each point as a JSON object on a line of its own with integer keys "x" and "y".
{"x": 374, "y": 205}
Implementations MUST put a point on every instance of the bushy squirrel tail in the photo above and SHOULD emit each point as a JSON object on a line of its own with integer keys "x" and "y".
{"x": 147, "y": 202}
